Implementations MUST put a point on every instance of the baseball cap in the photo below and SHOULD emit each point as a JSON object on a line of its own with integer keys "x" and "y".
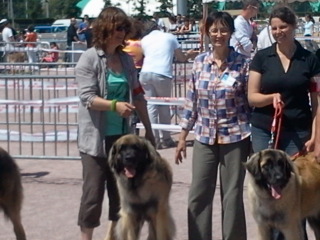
{"x": 3, "y": 21}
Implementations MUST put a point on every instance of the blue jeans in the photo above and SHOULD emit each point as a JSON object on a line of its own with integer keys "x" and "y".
{"x": 291, "y": 143}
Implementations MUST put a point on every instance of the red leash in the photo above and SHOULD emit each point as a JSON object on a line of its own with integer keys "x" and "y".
{"x": 275, "y": 130}
{"x": 276, "y": 126}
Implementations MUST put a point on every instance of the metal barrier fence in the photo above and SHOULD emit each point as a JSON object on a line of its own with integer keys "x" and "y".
{"x": 39, "y": 104}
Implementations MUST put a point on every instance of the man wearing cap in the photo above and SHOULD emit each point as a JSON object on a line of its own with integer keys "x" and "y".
{"x": 7, "y": 34}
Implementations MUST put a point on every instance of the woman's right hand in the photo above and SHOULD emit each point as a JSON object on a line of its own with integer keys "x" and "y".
{"x": 181, "y": 151}
{"x": 277, "y": 100}
{"x": 124, "y": 109}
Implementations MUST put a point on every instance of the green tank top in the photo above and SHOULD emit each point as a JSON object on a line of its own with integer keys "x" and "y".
{"x": 118, "y": 88}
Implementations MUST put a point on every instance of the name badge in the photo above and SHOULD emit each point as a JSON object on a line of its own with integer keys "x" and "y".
{"x": 228, "y": 80}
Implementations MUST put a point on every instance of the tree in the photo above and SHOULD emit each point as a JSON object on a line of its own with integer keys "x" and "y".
{"x": 35, "y": 9}
{"x": 165, "y": 7}
{"x": 140, "y": 7}
{"x": 64, "y": 8}
{"x": 107, "y": 3}
{"x": 195, "y": 8}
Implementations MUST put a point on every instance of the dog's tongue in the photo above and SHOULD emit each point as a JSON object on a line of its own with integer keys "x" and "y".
{"x": 129, "y": 172}
{"x": 276, "y": 192}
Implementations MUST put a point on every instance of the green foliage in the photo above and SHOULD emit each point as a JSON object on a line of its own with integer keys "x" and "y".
{"x": 36, "y": 9}
{"x": 139, "y": 6}
{"x": 165, "y": 7}
{"x": 195, "y": 8}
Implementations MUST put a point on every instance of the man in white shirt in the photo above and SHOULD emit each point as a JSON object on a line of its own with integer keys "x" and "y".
{"x": 159, "y": 49}
{"x": 241, "y": 39}
{"x": 7, "y": 33}
{"x": 265, "y": 38}
{"x": 8, "y": 38}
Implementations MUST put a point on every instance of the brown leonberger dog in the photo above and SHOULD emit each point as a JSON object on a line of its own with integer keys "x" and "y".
{"x": 11, "y": 193}
{"x": 284, "y": 191}
{"x": 144, "y": 182}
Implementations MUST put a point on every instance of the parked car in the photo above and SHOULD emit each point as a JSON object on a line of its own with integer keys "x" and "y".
{"x": 49, "y": 34}
{"x": 50, "y": 29}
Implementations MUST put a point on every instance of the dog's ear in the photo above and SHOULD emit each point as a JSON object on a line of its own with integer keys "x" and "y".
{"x": 253, "y": 165}
{"x": 288, "y": 167}
{"x": 150, "y": 151}
{"x": 113, "y": 151}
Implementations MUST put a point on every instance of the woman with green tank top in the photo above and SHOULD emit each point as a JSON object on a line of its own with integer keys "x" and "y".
{"x": 109, "y": 94}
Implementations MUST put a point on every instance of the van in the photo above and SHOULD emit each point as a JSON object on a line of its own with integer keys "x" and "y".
{"x": 65, "y": 22}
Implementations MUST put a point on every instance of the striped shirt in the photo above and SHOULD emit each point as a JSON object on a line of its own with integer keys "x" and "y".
{"x": 216, "y": 103}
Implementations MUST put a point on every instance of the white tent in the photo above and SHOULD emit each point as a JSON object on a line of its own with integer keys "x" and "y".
{"x": 93, "y": 7}
{"x": 284, "y": 1}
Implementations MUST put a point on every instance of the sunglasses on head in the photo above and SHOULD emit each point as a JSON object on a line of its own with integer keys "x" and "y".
{"x": 122, "y": 28}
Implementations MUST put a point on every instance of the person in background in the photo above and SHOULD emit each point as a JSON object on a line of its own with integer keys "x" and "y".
{"x": 217, "y": 109}
{"x": 83, "y": 26}
{"x": 72, "y": 36}
{"x": 242, "y": 38}
{"x": 88, "y": 34}
{"x": 31, "y": 39}
{"x": 109, "y": 93}
{"x": 308, "y": 32}
{"x": 159, "y": 21}
{"x": 186, "y": 26}
{"x": 133, "y": 44}
{"x": 156, "y": 75}
{"x": 265, "y": 38}
{"x": 134, "y": 49}
{"x": 173, "y": 26}
{"x": 282, "y": 77}
{"x": 7, "y": 36}
{"x": 52, "y": 56}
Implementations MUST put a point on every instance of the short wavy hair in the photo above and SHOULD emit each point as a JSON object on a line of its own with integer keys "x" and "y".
{"x": 108, "y": 20}
{"x": 222, "y": 18}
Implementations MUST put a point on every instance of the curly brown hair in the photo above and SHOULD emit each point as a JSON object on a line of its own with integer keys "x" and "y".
{"x": 107, "y": 22}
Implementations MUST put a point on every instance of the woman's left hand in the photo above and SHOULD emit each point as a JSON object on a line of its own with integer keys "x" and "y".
{"x": 309, "y": 145}
{"x": 124, "y": 109}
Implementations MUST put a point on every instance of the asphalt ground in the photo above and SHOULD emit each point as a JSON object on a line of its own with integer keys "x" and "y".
{"x": 52, "y": 190}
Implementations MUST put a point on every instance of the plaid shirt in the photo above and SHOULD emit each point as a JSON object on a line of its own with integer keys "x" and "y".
{"x": 216, "y": 103}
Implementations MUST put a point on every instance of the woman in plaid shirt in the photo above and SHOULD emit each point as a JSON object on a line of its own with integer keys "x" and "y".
{"x": 217, "y": 109}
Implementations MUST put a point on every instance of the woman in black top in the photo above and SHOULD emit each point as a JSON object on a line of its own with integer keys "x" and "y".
{"x": 286, "y": 75}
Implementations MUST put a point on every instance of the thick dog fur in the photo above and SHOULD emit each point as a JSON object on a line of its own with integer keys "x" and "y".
{"x": 282, "y": 192}
{"x": 144, "y": 181}
{"x": 11, "y": 192}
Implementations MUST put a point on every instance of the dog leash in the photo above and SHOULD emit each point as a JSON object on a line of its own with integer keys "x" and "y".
{"x": 275, "y": 131}
{"x": 276, "y": 126}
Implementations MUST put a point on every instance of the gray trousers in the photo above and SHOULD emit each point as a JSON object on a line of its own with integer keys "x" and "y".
{"x": 97, "y": 176}
{"x": 207, "y": 159}
{"x": 155, "y": 85}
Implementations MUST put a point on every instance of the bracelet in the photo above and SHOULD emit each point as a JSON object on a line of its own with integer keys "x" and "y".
{"x": 113, "y": 105}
